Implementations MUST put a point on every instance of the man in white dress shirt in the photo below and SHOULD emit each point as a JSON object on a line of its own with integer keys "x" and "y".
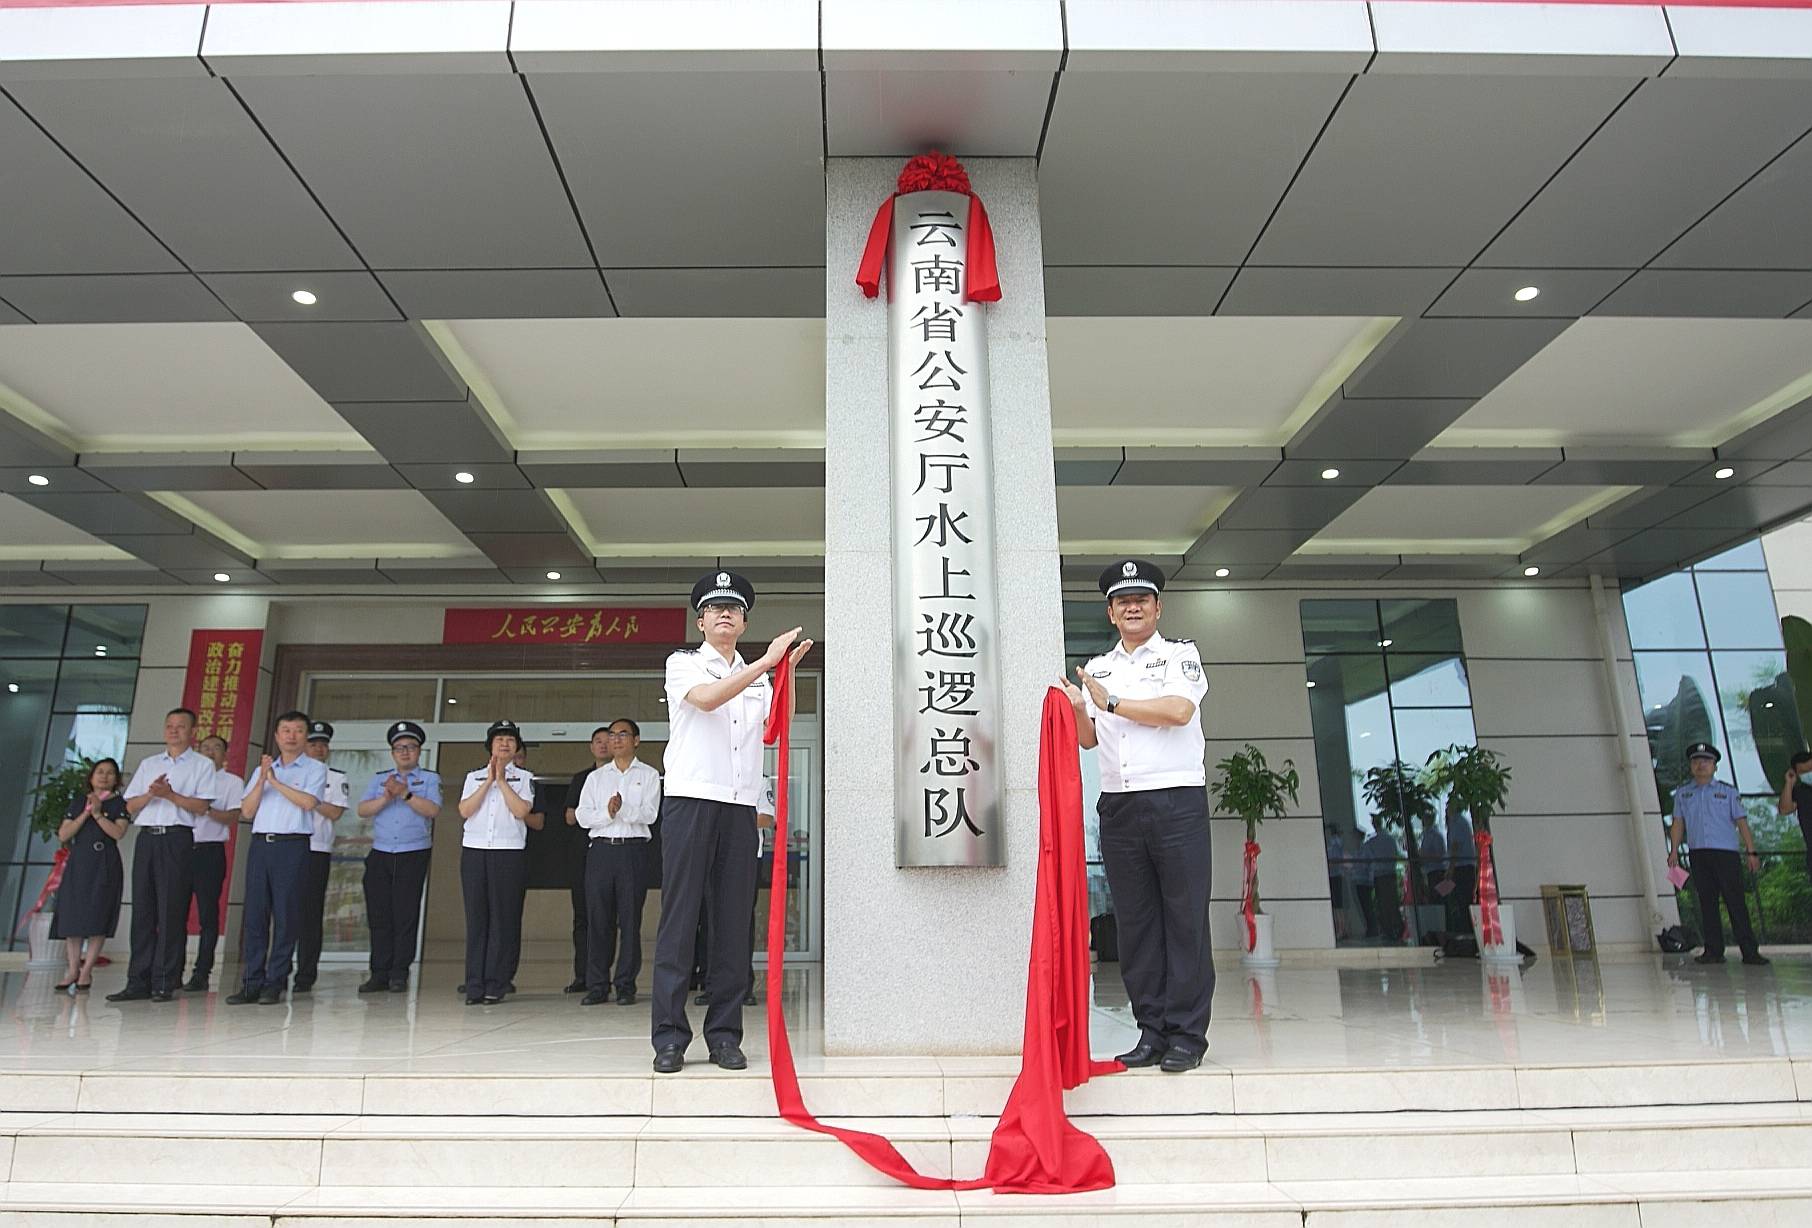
{"x": 497, "y": 803}
{"x": 717, "y": 706}
{"x": 210, "y": 861}
{"x": 168, "y": 792}
{"x": 617, "y": 807}
{"x": 1139, "y": 705}
{"x": 319, "y": 868}
{"x": 280, "y": 800}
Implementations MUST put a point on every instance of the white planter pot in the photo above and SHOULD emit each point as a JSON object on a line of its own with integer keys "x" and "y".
{"x": 43, "y": 952}
{"x": 1504, "y": 952}
{"x": 1262, "y": 954}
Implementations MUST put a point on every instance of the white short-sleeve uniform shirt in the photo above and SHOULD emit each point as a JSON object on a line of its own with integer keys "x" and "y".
{"x": 493, "y": 826}
{"x": 1134, "y": 758}
{"x": 716, "y": 755}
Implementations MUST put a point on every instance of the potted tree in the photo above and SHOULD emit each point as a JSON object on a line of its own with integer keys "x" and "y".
{"x": 58, "y": 786}
{"x": 1477, "y": 781}
{"x": 1399, "y": 798}
{"x": 1249, "y": 787}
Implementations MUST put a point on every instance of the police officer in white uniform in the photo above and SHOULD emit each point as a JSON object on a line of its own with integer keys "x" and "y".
{"x": 1709, "y": 818}
{"x": 496, "y": 803}
{"x": 168, "y": 792}
{"x": 209, "y": 858}
{"x": 1139, "y": 705}
{"x": 320, "y": 859}
{"x": 617, "y": 807}
{"x": 717, "y": 706}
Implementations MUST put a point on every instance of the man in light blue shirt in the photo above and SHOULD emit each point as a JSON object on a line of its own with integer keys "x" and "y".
{"x": 401, "y": 804}
{"x": 1709, "y": 817}
{"x": 280, "y": 800}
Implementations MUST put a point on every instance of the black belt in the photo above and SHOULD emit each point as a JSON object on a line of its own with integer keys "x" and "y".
{"x": 279, "y": 837}
{"x": 163, "y": 829}
{"x": 619, "y": 839}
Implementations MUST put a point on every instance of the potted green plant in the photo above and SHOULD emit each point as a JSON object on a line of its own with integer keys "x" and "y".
{"x": 1477, "y": 782}
{"x": 1398, "y": 797}
{"x": 58, "y": 786}
{"x": 1249, "y": 787}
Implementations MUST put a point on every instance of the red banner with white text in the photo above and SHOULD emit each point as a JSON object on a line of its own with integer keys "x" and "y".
{"x": 220, "y": 687}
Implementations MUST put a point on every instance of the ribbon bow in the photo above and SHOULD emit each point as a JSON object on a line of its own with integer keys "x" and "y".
{"x": 934, "y": 172}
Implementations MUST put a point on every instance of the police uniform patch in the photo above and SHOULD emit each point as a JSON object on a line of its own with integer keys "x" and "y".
{"x": 1192, "y": 671}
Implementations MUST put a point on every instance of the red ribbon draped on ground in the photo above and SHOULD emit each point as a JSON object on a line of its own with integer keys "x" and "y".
{"x": 1491, "y": 930}
{"x": 1248, "y": 899}
{"x": 50, "y": 884}
{"x": 1035, "y": 1148}
{"x": 934, "y": 172}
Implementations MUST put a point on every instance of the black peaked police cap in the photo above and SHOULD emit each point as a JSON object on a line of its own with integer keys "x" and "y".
{"x": 723, "y": 586}
{"x": 1131, "y": 576}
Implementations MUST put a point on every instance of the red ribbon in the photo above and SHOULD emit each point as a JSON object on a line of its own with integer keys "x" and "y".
{"x": 934, "y": 172}
{"x": 1491, "y": 929}
{"x": 50, "y": 884}
{"x": 1035, "y": 1148}
{"x": 1248, "y": 901}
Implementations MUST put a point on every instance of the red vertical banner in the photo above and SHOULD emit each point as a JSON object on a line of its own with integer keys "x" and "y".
{"x": 220, "y": 687}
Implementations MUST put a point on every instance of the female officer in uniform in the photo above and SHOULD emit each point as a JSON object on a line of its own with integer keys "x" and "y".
{"x": 94, "y": 877}
{"x": 497, "y": 805}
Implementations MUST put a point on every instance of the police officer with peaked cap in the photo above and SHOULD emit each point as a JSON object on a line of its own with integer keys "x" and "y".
{"x": 1139, "y": 706}
{"x": 402, "y": 803}
{"x": 1709, "y": 818}
{"x": 497, "y": 804}
{"x": 717, "y": 706}
{"x": 319, "y": 867}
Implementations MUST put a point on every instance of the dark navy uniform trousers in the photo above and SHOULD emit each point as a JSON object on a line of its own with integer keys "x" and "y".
{"x": 209, "y": 861}
{"x": 163, "y": 873}
{"x": 393, "y": 909}
{"x": 705, "y": 855}
{"x": 613, "y": 916}
{"x": 274, "y": 871}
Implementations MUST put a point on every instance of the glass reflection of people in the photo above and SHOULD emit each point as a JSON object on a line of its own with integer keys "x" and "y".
{"x": 1337, "y": 879}
{"x": 1378, "y": 858}
{"x": 94, "y": 877}
{"x": 1432, "y": 851}
{"x": 1463, "y": 857}
{"x": 1796, "y": 798}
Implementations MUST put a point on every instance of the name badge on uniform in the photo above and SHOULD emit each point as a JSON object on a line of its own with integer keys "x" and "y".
{"x": 1101, "y": 673}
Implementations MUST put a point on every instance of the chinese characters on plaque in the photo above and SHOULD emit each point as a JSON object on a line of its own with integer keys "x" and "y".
{"x": 565, "y": 625}
{"x": 948, "y": 804}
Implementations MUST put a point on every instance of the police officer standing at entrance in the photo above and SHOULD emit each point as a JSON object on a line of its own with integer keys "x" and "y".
{"x": 497, "y": 806}
{"x": 1709, "y": 817}
{"x": 1139, "y": 705}
{"x": 401, "y": 805}
{"x": 717, "y": 706}
{"x": 617, "y": 806}
{"x": 320, "y": 859}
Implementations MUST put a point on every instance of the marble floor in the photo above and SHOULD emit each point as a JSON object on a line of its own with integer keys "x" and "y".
{"x": 1636, "y": 1009}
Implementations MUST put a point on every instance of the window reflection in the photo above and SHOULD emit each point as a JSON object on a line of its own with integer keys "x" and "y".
{"x": 1755, "y": 696}
{"x": 1677, "y": 691}
{"x": 1739, "y": 610}
{"x": 1664, "y": 613}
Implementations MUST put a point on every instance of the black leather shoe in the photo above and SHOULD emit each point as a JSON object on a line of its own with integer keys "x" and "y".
{"x": 669, "y": 1060}
{"x": 196, "y": 984}
{"x": 247, "y": 996}
{"x": 493, "y": 999}
{"x": 510, "y": 988}
{"x": 596, "y": 997}
{"x": 374, "y": 985}
{"x": 748, "y": 999}
{"x": 162, "y": 995}
{"x": 1176, "y": 1061}
{"x": 1757, "y": 960}
{"x": 729, "y": 1057}
{"x": 271, "y": 996}
{"x": 130, "y": 994}
{"x": 703, "y": 999}
{"x": 306, "y": 988}
{"x": 1142, "y": 1054}
{"x": 474, "y": 1000}
{"x": 578, "y": 986}
{"x": 399, "y": 987}
{"x": 625, "y": 997}
{"x": 1708, "y": 958}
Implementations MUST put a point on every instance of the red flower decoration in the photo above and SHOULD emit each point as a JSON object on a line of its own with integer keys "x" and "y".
{"x": 934, "y": 172}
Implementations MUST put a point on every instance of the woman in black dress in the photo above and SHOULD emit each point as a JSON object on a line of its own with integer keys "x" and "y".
{"x": 94, "y": 878}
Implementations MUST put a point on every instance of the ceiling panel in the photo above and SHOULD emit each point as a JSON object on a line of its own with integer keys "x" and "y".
{"x": 1669, "y": 155}
{"x": 1745, "y": 508}
{"x": 318, "y": 470}
{"x": 365, "y": 361}
{"x": 10, "y": 315}
{"x": 497, "y": 294}
{"x": 479, "y": 477}
{"x": 1290, "y": 507}
{"x": 1225, "y": 547}
{"x": 186, "y": 158}
{"x": 1608, "y": 381}
{"x": 113, "y": 298}
{"x": 650, "y": 183}
{"x": 334, "y": 524}
{"x": 1451, "y": 358}
{"x": 1761, "y": 226}
{"x": 1476, "y": 466}
{"x": 1466, "y": 519}
{"x": 1649, "y": 506}
{"x": 531, "y": 549}
{"x": 260, "y": 297}
{"x": 497, "y": 510}
{"x": 1102, "y": 290}
{"x": 1711, "y": 293}
{"x": 754, "y": 521}
{"x": 425, "y": 171}
{"x": 1363, "y": 427}
{"x": 1564, "y": 293}
{"x": 1425, "y": 170}
{"x": 718, "y": 292}
{"x": 31, "y": 532}
{"x": 1162, "y": 168}
{"x": 167, "y": 471}
{"x": 1261, "y": 291}
{"x": 58, "y": 220}
{"x": 1136, "y": 519}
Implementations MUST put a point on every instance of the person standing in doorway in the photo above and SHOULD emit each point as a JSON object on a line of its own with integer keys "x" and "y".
{"x": 402, "y": 804}
{"x": 210, "y": 859}
{"x": 320, "y": 858}
{"x": 600, "y": 755}
{"x": 497, "y": 804}
{"x": 169, "y": 791}
{"x": 1139, "y": 705}
{"x": 617, "y": 807}
{"x": 1463, "y": 856}
{"x": 1709, "y": 819}
{"x": 1796, "y": 798}
{"x": 280, "y": 800}
{"x": 1378, "y": 858}
{"x": 94, "y": 878}
{"x": 717, "y": 705}
{"x": 1336, "y": 847}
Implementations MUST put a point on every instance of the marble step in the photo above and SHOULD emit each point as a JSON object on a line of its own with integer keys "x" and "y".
{"x": 896, "y": 1087}
{"x": 342, "y": 1152}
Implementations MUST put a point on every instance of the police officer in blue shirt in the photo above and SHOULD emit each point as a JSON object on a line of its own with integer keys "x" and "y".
{"x": 280, "y": 800}
{"x": 1709, "y": 818}
{"x": 402, "y": 804}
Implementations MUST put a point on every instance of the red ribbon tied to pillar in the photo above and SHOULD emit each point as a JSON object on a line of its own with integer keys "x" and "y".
{"x": 934, "y": 172}
{"x": 1491, "y": 930}
{"x": 1248, "y": 900}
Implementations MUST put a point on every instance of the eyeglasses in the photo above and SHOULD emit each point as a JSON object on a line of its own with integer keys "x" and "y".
{"x": 713, "y": 607}
{"x": 619, "y": 733}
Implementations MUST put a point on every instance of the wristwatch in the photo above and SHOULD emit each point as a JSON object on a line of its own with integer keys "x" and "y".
{"x": 1113, "y": 701}
{"x": 409, "y": 795}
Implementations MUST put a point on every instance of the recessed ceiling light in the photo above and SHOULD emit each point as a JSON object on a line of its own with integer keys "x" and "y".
{"x": 1329, "y": 474}
{"x": 12, "y": 688}
{"x": 38, "y": 479}
{"x": 305, "y": 297}
{"x": 1222, "y": 573}
{"x": 1311, "y": 684}
{"x": 1725, "y": 472}
{"x": 464, "y": 478}
{"x": 99, "y": 651}
{"x": 553, "y": 575}
{"x": 1385, "y": 643}
{"x": 1366, "y": 734}
{"x": 451, "y": 700}
{"x": 1531, "y": 571}
{"x": 1769, "y": 704}
{"x": 222, "y": 576}
{"x": 1527, "y": 293}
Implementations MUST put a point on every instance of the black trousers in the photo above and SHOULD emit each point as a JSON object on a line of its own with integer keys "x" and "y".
{"x": 208, "y": 872}
{"x": 492, "y": 881}
{"x": 274, "y": 873}
{"x": 1718, "y": 874}
{"x": 581, "y": 931}
{"x": 163, "y": 876}
{"x": 393, "y": 910}
{"x": 705, "y": 855}
{"x": 613, "y": 880}
{"x": 315, "y": 874}
{"x": 1459, "y": 900}
{"x": 1155, "y": 848}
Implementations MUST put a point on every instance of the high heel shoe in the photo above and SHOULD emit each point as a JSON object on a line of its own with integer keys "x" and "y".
{"x": 81, "y": 988}
{"x": 66, "y": 986}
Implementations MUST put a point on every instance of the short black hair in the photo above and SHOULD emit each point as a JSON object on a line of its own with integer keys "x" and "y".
{"x": 600, "y": 729}
{"x": 188, "y": 712}
{"x": 635, "y": 730}
{"x": 291, "y": 715}
{"x": 1799, "y": 757}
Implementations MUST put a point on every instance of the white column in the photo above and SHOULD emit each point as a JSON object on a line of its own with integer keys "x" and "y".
{"x": 929, "y": 960}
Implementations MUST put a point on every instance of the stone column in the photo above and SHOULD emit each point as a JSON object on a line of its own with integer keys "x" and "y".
{"x": 929, "y": 960}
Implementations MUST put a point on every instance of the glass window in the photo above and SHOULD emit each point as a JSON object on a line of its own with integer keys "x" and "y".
{"x": 1423, "y": 731}
{"x": 487, "y": 698}
{"x": 1431, "y": 625}
{"x": 1739, "y": 609}
{"x": 1664, "y": 613}
{"x": 98, "y": 684}
{"x": 1756, "y": 696}
{"x": 1418, "y": 681}
{"x": 1677, "y": 708}
{"x": 1339, "y": 626}
{"x": 88, "y": 735}
{"x": 22, "y": 719}
{"x": 32, "y": 630}
{"x": 371, "y": 699}
{"x": 1746, "y": 557}
{"x": 120, "y": 629}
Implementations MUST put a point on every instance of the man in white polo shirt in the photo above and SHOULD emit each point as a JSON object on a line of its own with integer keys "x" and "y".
{"x": 319, "y": 868}
{"x": 717, "y": 706}
{"x": 168, "y": 792}
{"x": 280, "y": 800}
{"x": 617, "y": 807}
{"x": 210, "y": 861}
